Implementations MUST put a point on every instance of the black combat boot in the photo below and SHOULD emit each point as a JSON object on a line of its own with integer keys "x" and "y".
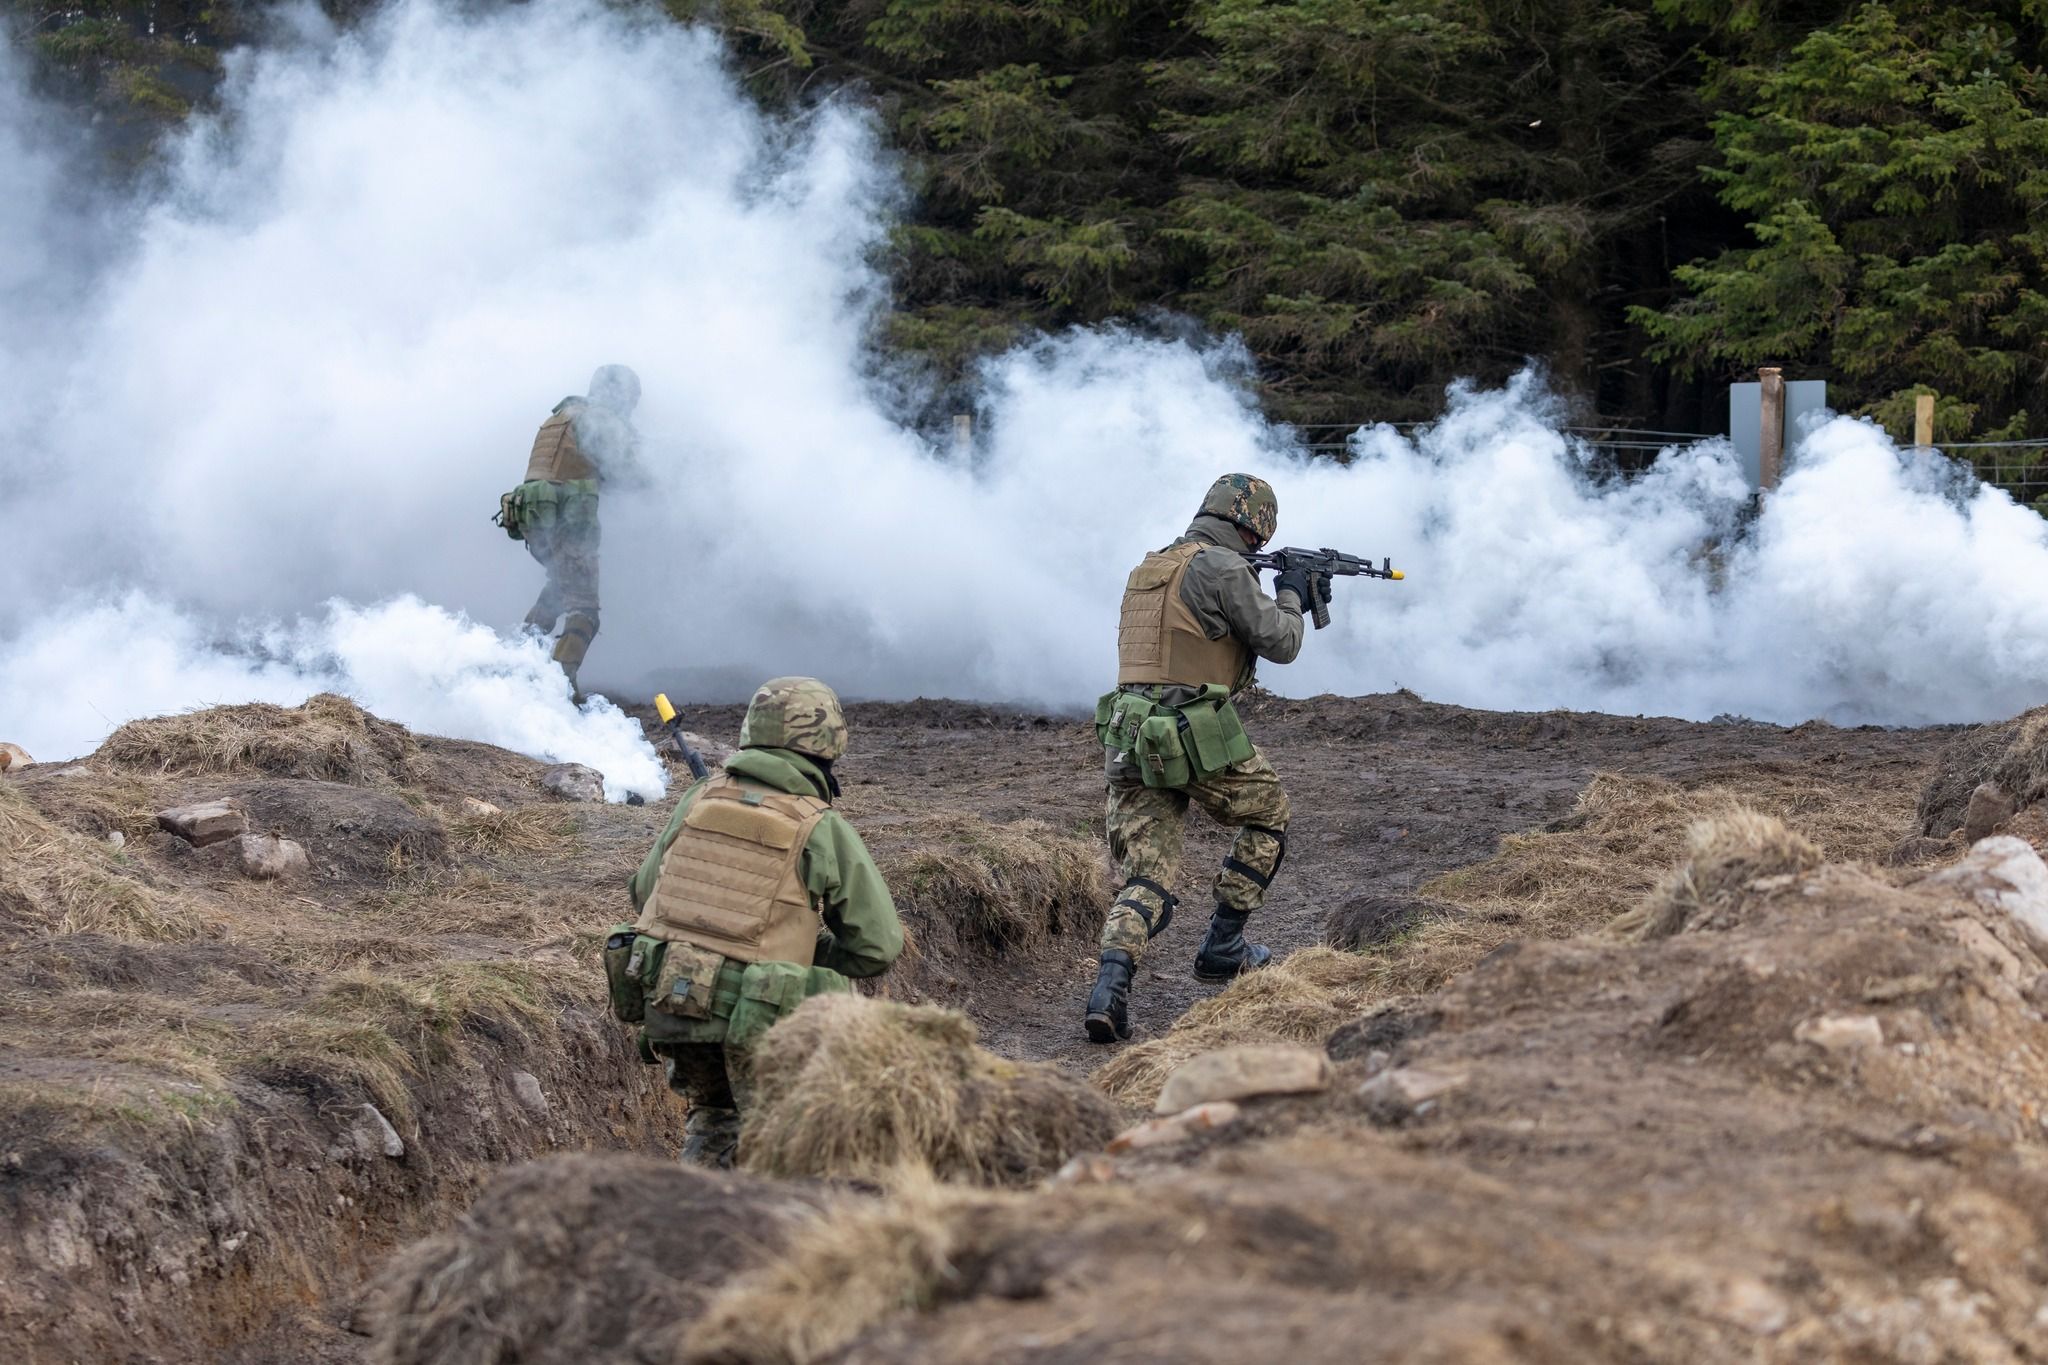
{"x": 1108, "y": 1018}
{"x": 1225, "y": 952}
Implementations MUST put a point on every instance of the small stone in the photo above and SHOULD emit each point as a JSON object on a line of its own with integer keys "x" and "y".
{"x": 1239, "y": 1073}
{"x": 574, "y": 782}
{"x": 1407, "y": 1090}
{"x": 1841, "y": 1032}
{"x": 1162, "y": 1132}
{"x": 13, "y": 756}
{"x": 478, "y": 809}
{"x": 231, "y": 1245}
{"x": 526, "y": 1089}
{"x": 116, "y": 839}
{"x": 383, "y": 1136}
{"x": 267, "y": 857}
{"x": 1089, "y": 1168}
{"x": 1990, "y": 807}
{"x": 2006, "y": 874}
{"x": 207, "y": 822}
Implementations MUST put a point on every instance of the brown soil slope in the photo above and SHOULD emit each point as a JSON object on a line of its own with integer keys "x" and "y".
{"x": 1791, "y": 1114}
{"x": 187, "y": 1170}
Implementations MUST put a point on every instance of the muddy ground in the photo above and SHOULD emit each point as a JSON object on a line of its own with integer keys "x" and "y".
{"x": 274, "y": 1232}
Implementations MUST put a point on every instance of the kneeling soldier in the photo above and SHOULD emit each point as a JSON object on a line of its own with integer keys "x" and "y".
{"x": 1194, "y": 622}
{"x": 757, "y": 896}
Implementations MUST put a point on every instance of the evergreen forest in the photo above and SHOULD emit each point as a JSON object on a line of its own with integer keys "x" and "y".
{"x": 1651, "y": 197}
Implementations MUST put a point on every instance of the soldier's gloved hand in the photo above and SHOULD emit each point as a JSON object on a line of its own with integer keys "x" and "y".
{"x": 1319, "y": 584}
{"x": 1297, "y": 581}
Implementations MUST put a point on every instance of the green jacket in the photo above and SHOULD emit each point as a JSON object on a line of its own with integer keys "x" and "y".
{"x": 862, "y": 934}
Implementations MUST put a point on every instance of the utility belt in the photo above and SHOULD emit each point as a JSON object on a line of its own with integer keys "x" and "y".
{"x": 539, "y": 504}
{"x": 1172, "y": 746}
{"x": 679, "y": 992}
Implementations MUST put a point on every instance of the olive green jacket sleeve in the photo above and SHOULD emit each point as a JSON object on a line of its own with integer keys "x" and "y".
{"x": 1224, "y": 594}
{"x": 864, "y": 934}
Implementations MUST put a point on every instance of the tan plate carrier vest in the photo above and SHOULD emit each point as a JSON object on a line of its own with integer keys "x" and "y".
{"x": 1159, "y": 640}
{"x": 733, "y": 879}
{"x": 556, "y": 456}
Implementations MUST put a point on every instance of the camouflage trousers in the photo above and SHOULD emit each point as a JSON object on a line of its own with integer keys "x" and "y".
{"x": 716, "y": 1082}
{"x": 569, "y": 555}
{"x": 1148, "y": 828}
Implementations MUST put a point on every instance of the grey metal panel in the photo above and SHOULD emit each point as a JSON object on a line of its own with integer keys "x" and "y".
{"x": 1746, "y": 419}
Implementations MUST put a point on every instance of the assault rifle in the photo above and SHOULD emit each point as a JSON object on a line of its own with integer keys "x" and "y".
{"x": 1322, "y": 565}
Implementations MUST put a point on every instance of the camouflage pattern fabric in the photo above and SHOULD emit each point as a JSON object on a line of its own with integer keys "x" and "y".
{"x": 714, "y": 1079}
{"x": 1148, "y": 828}
{"x": 1244, "y": 500}
{"x": 799, "y": 714}
{"x": 569, "y": 554}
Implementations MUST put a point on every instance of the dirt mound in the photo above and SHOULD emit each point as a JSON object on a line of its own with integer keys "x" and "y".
{"x": 329, "y": 738}
{"x": 2012, "y": 756}
{"x": 848, "y": 1086}
{"x": 971, "y": 891}
{"x": 1724, "y": 857}
{"x": 578, "y": 1259}
{"x": 348, "y": 832}
{"x": 1814, "y": 1135}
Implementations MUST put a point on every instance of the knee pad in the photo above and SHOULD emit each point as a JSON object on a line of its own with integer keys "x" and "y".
{"x": 1262, "y": 880}
{"x": 1167, "y": 901}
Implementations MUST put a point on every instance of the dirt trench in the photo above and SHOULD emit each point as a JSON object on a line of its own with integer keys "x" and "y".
{"x": 215, "y": 1199}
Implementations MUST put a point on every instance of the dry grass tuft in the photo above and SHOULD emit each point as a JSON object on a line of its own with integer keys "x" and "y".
{"x": 966, "y": 887}
{"x": 53, "y": 881}
{"x": 842, "y": 1274}
{"x": 528, "y": 831}
{"x": 2012, "y": 755}
{"x": 329, "y": 738}
{"x": 1303, "y": 998}
{"x": 847, "y": 1086}
{"x": 1724, "y": 855}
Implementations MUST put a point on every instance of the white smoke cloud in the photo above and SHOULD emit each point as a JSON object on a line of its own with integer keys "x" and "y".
{"x": 323, "y": 347}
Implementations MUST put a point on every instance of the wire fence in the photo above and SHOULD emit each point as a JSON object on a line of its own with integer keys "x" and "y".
{"x": 2019, "y": 467}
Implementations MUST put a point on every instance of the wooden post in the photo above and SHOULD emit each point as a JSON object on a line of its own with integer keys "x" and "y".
{"x": 1923, "y": 420}
{"x": 1771, "y": 461}
{"x": 963, "y": 432}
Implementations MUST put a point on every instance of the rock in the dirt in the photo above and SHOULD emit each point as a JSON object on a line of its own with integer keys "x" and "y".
{"x": 1407, "y": 1090}
{"x": 1175, "y": 1127}
{"x": 1239, "y": 1073}
{"x": 269, "y": 857}
{"x": 477, "y": 809}
{"x": 378, "y": 1129}
{"x": 116, "y": 839}
{"x": 526, "y": 1089}
{"x": 2006, "y": 874}
{"x": 1841, "y": 1032}
{"x": 1990, "y": 806}
{"x": 574, "y": 782}
{"x": 13, "y": 756}
{"x": 208, "y": 822}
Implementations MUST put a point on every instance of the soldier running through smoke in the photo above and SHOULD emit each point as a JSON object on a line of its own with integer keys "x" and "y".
{"x": 587, "y": 443}
{"x": 1194, "y": 623}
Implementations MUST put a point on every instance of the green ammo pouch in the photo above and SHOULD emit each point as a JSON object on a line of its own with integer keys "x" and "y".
{"x": 1161, "y": 757}
{"x": 769, "y": 990}
{"x": 630, "y": 960}
{"x": 508, "y": 514}
{"x": 1214, "y": 735}
{"x": 686, "y": 982}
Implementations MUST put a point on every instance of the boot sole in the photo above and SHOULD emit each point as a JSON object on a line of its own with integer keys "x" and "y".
{"x": 1102, "y": 1030}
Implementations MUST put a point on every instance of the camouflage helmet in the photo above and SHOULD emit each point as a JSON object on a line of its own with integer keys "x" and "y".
{"x": 1245, "y": 501}
{"x": 795, "y": 713}
{"x": 615, "y": 387}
